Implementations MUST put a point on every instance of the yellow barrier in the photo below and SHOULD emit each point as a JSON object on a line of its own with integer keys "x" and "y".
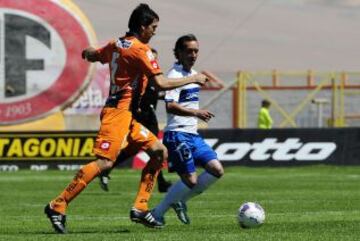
{"x": 335, "y": 82}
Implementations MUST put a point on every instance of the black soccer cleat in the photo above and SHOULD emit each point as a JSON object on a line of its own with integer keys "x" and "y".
{"x": 104, "y": 182}
{"x": 57, "y": 219}
{"x": 181, "y": 212}
{"x": 146, "y": 218}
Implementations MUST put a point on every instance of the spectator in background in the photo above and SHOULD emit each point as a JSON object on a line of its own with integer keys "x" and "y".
{"x": 264, "y": 119}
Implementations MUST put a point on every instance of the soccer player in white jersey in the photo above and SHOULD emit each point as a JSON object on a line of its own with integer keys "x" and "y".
{"x": 185, "y": 146}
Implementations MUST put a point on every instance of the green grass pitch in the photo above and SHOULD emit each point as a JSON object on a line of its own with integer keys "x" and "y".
{"x": 301, "y": 203}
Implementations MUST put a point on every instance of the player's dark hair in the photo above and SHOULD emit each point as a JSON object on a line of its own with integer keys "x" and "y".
{"x": 265, "y": 103}
{"x": 142, "y": 15}
{"x": 180, "y": 43}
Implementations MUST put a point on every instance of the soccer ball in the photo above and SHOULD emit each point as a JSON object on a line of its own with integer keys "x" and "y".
{"x": 251, "y": 215}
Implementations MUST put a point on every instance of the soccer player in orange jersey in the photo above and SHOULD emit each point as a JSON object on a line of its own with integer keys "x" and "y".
{"x": 145, "y": 114}
{"x": 131, "y": 64}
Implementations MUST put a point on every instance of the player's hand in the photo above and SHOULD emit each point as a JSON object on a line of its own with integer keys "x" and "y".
{"x": 88, "y": 54}
{"x": 201, "y": 79}
{"x": 84, "y": 54}
{"x": 204, "y": 115}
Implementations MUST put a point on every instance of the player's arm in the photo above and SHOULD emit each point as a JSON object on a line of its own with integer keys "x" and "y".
{"x": 176, "y": 109}
{"x": 103, "y": 54}
{"x": 151, "y": 69}
{"x": 164, "y": 83}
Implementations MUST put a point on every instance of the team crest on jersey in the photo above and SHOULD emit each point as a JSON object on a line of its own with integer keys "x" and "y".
{"x": 152, "y": 59}
{"x": 105, "y": 145}
{"x": 154, "y": 64}
{"x": 123, "y": 43}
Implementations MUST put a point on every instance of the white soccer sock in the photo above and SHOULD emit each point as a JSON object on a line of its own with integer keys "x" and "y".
{"x": 204, "y": 181}
{"x": 176, "y": 193}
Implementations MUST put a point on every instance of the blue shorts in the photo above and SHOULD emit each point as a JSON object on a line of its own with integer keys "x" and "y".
{"x": 187, "y": 150}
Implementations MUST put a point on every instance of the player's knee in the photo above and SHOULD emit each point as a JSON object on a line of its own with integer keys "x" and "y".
{"x": 159, "y": 151}
{"x": 162, "y": 152}
{"x": 190, "y": 181}
{"x": 219, "y": 171}
{"x": 165, "y": 153}
{"x": 215, "y": 168}
{"x": 104, "y": 164}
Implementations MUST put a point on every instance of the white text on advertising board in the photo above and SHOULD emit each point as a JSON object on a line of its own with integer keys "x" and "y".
{"x": 270, "y": 148}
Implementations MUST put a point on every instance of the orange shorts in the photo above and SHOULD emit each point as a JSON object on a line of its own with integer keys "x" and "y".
{"x": 119, "y": 130}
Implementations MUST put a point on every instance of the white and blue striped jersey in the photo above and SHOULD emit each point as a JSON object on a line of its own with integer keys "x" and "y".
{"x": 188, "y": 97}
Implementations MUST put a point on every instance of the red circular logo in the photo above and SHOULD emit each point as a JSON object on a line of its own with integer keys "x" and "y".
{"x": 41, "y": 69}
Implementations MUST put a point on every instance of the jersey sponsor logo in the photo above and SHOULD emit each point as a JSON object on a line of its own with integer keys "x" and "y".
{"x": 40, "y": 64}
{"x": 292, "y": 149}
{"x": 192, "y": 96}
{"x": 189, "y": 95}
{"x": 124, "y": 43}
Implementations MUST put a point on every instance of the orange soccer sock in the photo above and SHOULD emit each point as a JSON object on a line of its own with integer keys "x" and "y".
{"x": 148, "y": 179}
{"x": 84, "y": 176}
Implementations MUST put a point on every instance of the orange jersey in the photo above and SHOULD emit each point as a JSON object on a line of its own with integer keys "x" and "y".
{"x": 131, "y": 62}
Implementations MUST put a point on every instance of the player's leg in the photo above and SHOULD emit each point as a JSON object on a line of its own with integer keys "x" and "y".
{"x": 152, "y": 124}
{"x": 174, "y": 197}
{"x": 104, "y": 176}
{"x": 140, "y": 212}
{"x": 56, "y": 209}
{"x": 143, "y": 139}
{"x": 206, "y": 157}
{"x": 181, "y": 161}
{"x": 109, "y": 142}
{"x": 212, "y": 173}
{"x": 104, "y": 179}
{"x": 149, "y": 174}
